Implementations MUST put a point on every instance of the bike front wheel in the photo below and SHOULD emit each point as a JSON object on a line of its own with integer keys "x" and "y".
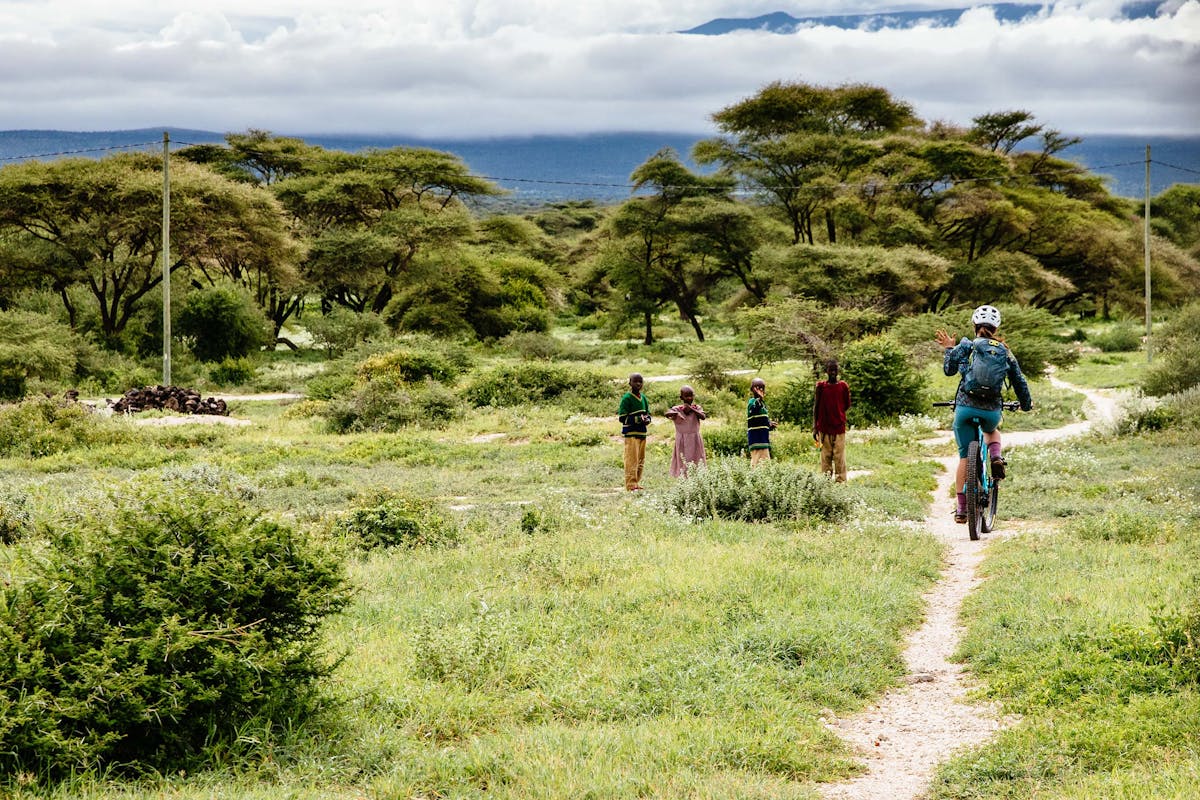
{"x": 988, "y": 519}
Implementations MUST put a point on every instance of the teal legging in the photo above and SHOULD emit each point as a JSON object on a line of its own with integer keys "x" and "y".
{"x": 964, "y": 429}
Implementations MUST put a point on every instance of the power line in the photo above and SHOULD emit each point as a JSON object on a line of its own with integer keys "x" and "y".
{"x": 630, "y": 186}
{"x": 1173, "y": 166}
{"x": 76, "y": 152}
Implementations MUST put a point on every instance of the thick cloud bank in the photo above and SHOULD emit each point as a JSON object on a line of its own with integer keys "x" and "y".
{"x": 491, "y": 68}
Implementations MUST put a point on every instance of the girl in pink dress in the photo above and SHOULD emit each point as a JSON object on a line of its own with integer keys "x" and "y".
{"x": 689, "y": 446}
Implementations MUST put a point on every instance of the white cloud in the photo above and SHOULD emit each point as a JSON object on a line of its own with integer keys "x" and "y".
{"x": 494, "y": 67}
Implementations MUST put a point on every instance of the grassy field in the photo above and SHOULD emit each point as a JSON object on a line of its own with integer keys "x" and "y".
{"x": 582, "y": 642}
{"x": 578, "y": 641}
{"x": 1088, "y": 625}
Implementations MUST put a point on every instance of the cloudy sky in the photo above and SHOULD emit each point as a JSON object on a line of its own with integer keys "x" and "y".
{"x": 471, "y": 68}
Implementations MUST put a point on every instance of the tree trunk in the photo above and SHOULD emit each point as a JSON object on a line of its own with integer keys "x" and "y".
{"x": 649, "y": 328}
{"x": 830, "y": 228}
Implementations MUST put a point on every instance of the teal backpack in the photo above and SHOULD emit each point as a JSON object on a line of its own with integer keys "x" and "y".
{"x": 987, "y": 370}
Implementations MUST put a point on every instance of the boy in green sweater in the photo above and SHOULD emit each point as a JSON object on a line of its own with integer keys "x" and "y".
{"x": 634, "y": 415}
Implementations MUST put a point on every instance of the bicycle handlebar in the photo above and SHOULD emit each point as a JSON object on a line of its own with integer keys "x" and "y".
{"x": 1008, "y": 405}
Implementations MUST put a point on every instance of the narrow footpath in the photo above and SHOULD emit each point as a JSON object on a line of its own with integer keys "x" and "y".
{"x": 915, "y": 727}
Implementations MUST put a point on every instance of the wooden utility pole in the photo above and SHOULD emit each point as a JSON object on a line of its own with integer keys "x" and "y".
{"x": 1146, "y": 247}
{"x": 166, "y": 258}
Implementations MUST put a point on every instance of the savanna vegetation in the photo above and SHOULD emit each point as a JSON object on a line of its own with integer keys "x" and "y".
{"x": 418, "y": 578}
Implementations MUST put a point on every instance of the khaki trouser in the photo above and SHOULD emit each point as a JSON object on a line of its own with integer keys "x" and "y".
{"x": 833, "y": 455}
{"x": 635, "y": 460}
{"x": 758, "y": 456}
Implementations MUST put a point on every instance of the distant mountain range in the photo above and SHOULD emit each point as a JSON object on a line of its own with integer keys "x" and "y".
{"x": 594, "y": 166}
{"x": 781, "y": 22}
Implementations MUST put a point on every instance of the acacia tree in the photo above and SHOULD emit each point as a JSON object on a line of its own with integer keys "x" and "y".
{"x": 371, "y": 215}
{"x": 98, "y": 224}
{"x": 653, "y": 255}
{"x": 256, "y": 156}
{"x": 795, "y": 143}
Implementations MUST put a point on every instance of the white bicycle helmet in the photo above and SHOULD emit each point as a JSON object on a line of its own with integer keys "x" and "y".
{"x": 986, "y": 315}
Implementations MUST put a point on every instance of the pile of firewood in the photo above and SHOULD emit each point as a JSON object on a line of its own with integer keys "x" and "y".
{"x": 169, "y": 398}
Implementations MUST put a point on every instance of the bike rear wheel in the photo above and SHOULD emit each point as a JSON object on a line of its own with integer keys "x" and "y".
{"x": 971, "y": 488}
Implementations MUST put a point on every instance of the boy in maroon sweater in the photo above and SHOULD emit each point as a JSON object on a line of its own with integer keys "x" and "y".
{"x": 829, "y": 421}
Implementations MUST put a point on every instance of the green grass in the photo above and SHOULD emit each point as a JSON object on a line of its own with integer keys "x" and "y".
{"x": 577, "y": 641}
{"x": 1108, "y": 370}
{"x": 1073, "y": 625}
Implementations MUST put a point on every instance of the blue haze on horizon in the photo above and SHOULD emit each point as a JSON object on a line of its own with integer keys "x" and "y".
{"x": 555, "y": 168}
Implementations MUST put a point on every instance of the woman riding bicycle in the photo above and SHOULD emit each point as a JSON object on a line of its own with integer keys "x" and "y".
{"x": 972, "y": 405}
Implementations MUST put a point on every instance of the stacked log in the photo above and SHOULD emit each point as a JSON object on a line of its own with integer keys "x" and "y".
{"x": 169, "y": 398}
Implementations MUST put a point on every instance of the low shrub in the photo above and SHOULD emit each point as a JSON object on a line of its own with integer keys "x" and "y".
{"x": 772, "y": 492}
{"x": 1186, "y": 406}
{"x": 883, "y": 383}
{"x": 15, "y": 519}
{"x": 710, "y": 369}
{"x": 537, "y": 346}
{"x": 1123, "y": 338}
{"x": 39, "y": 427}
{"x": 1123, "y": 525}
{"x": 399, "y": 522}
{"x": 329, "y": 385}
{"x": 725, "y": 440}
{"x": 223, "y": 321}
{"x": 472, "y": 653}
{"x": 406, "y": 366}
{"x": 35, "y": 346}
{"x": 1137, "y": 414}
{"x": 535, "y": 382}
{"x": 379, "y": 406}
{"x": 232, "y": 372}
{"x": 163, "y": 623}
{"x": 793, "y": 401}
{"x": 1177, "y": 367}
{"x": 341, "y": 329}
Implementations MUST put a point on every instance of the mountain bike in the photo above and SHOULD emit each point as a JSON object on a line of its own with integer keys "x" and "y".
{"x": 981, "y": 489}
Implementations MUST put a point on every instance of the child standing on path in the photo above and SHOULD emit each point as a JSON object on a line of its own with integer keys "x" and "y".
{"x": 758, "y": 423}
{"x": 830, "y": 403}
{"x": 689, "y": 446}
{"x": 634, "y": 415}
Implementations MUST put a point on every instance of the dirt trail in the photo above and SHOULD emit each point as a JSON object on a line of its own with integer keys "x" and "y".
{"x": 912, "y": 729}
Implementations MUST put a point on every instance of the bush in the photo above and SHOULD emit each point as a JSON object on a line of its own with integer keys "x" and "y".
{"x": 40, "y": 427}
{"x": 883, "y": 384}
{"x": 329, "y": 385}
{"x": 232, "y": 372}
{"x": 793, "y": 402}
{"x": 342, "y": 329}
{"x": 15, "y": 519}
{"x": 162, "y": 623}
{"x": 223, "y": 322}
{"x": 36, "y": 346}
{"x": 534, "y": 346}
{"x": 725, "y": 440}
{"x": 535, "y": 382}
{"x": 383, "y": 407}
{"x": 1123, "y": 338}
{"x": 1178, "y": 366}
{"x": 770, "y": 492}
{"x": 710, "y": 369}
{"x": 406, "y": 366}
{"x": 399, "y": 522}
